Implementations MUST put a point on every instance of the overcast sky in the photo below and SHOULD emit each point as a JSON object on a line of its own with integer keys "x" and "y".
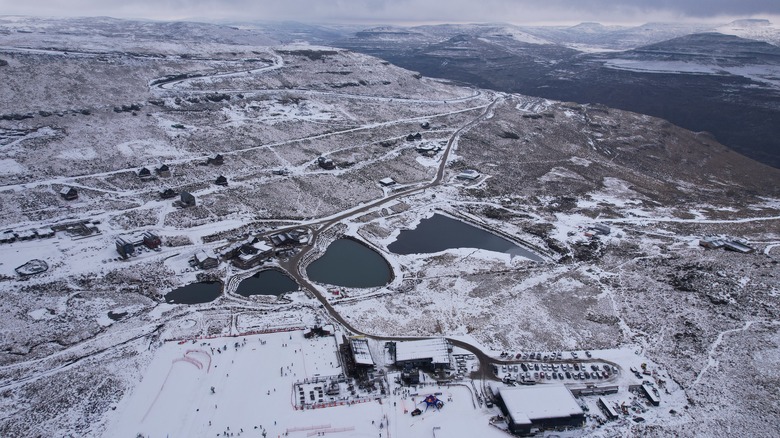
{"x": 403, "y": 11}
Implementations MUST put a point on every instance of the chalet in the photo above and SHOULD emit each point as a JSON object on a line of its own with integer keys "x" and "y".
{"x": 386, "y": 182}
{"x": 601, "y": 229}
{"x": 221, "y": 181}
{"x": 425, "y": 125}
{"x": 205, "y": 260}
{"x": 164, "y": 171}
{"x": 326, "y": 163}
{"x": 187, "y": 200}
{"x": 168, "y": 194}
{"x": 69, "y": 193}
{"x": 218, "y": 160}
{"x": 151, "y": 240}
{"x": 144, "y": 174}
{"x": 124, "y": 248}
{"x": 413, "y": 137}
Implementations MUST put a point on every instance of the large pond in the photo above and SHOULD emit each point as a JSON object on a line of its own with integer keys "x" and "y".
{"x": 195, "y": 293}
{"x": 349, "y": 263}
{"x": 440, "y": 232}
{"x": 267, "y": 282}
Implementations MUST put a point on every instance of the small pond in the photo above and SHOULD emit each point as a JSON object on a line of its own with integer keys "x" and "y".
{"x": 267, "y": 282}
{"x": 349, "y": 263}
{"x": 195, "y": 293}
{"x": 440, "y": 232}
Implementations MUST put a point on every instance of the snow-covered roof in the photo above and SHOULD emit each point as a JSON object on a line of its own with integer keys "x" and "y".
{"x": 261, "y": 246}
{"x": 65, "y": 190}
{"x": 436, "y": 349}
{"x": 360, "y": 351}
{"x": 469, "y": 174}
{"x": 526, "y": 404}
{"x": 387, "y": 181}
{"x": 202, "y": 256}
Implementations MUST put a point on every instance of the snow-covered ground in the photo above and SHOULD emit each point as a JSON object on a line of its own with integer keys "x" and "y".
{"x": 89, "y": 348}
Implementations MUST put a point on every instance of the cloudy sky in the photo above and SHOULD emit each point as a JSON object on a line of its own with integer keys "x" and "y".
{"x": 404, "y": 11}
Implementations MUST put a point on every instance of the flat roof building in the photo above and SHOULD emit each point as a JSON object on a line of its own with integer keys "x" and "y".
{"x": 360, "y": 352}
{"x": 426, "y": 353}
{"x": 608, "y": 410}
{"x": 539, "y": 407}
{"x": 469, "y": 174}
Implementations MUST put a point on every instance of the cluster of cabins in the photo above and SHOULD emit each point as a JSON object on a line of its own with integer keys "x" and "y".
{"x": 727, "y": 244}
{"x": 11, "y": 236}
{"x": 255, "y": 251}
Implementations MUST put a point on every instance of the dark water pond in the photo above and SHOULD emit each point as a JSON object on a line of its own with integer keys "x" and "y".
{"x": 349, "y": 263}
{"x": 195, "y": 293}
{"x": 440, "y": 232}
{"x": 267, "y": 282}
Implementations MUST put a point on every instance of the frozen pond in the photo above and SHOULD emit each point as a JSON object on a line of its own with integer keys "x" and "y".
{"x": 195, "y": 293}
{"x": 440, "y": 232}
{"x": 267, "y": 282}
{"x": 349, "y": 263}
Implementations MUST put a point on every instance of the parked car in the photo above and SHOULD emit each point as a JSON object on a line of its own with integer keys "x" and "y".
{"x": 416, "y": 412}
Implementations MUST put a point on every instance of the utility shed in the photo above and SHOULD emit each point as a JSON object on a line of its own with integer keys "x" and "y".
{"x": 608, "y": 410}
{"x": 387, "y": 181}
{"x": 426, "y": 353}
{"x": 733, "y": 245}
{"x": 650, "y": 394}
{"x": 539, "y": 407}
{"x": 360, "y": 352}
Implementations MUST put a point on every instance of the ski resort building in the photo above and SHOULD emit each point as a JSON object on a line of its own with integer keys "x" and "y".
{"x": 430, "y": 354}
{"x": 538, "y": 407}
{"x": 361, "y": 354}
{"x": 205, "y": 260}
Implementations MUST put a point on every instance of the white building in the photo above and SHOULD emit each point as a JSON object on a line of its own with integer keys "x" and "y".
{"x": 539, "y": 407}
